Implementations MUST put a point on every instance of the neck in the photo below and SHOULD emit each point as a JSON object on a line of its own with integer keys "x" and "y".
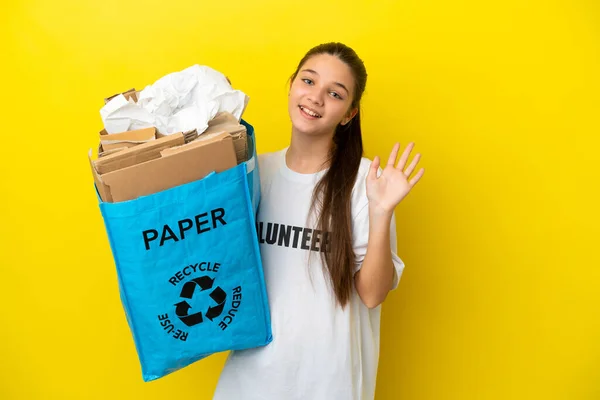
{"x": 308, "y": 154}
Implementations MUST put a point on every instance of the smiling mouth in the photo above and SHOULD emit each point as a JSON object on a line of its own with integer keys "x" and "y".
{"x": 309, "y": 112}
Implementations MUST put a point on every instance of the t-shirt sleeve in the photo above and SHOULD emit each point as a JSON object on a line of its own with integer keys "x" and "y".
{"x": 360, "y": 230}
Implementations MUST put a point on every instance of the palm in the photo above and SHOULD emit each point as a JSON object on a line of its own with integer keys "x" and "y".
{"x": 388, "y": 189}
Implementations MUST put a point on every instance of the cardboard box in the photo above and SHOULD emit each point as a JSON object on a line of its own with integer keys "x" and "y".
{"x": 142, "y": 170}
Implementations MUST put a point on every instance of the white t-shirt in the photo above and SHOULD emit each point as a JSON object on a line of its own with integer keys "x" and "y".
{"x": 319, "y": 350}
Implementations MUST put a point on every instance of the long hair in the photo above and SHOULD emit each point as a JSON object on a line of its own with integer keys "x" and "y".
{"x": 333, "y": 193}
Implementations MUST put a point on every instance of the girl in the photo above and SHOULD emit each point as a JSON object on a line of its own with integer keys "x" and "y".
{"x": 328, "y": 242}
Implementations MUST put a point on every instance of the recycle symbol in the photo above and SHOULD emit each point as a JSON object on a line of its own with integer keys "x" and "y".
{"x": 188, "y": 290}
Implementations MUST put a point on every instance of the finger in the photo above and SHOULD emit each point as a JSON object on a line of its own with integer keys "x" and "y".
{"x": 393, "y": 155}
{"x": 374, "y": 167}
{"x": 416, "y": 178}
{"x": 413, "y": 164}
{"x": 404, "y": 157}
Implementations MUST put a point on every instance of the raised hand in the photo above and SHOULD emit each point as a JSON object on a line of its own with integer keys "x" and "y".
{"x": 387, "y": 191}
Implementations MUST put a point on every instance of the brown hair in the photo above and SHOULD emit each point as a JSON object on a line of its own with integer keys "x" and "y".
{"x": 333, "y": 193}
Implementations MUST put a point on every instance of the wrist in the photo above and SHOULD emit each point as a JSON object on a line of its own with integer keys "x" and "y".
{"x": 379, "y": 218}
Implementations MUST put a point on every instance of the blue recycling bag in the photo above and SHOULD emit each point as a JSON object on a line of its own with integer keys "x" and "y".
{"x": 189, "y": 269}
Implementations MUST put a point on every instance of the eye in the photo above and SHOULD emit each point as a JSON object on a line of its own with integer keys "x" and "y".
{"x": 337, "y": 96}
{"x": 307, "y": 81}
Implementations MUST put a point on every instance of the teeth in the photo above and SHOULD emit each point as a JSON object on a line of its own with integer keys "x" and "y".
{"x": 314, "y": 114}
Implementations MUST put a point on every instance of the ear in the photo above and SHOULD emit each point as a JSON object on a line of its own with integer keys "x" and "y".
{"x": 351, "y": 114}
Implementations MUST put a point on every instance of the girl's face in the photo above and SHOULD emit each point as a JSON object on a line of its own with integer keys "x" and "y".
{"x": 321, "y": 95}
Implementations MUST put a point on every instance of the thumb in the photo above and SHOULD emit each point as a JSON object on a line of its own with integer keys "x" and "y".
{"x": 374, "y": 168}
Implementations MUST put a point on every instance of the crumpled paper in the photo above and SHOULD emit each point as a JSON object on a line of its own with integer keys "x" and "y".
{"x": 178, "y": 102}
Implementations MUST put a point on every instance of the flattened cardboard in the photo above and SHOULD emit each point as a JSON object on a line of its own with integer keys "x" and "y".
{"x": 240, "y": 143}
{"x": 129, "y": 94}
{"x": 103, "y": 153}
{"x": 137, "y": 154}
{"x": 105, "y": 149}
{"x": 116, "y": 146}
{"x": 227, "y": 122}
{"x": 203, "y": 141}
{"x": 136, "y": 136}
{"x": 187, "y": 165}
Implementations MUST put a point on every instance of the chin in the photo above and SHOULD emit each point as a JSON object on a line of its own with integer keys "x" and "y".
{"x": 309, "y": 128}
{"x": 305, "y": 129}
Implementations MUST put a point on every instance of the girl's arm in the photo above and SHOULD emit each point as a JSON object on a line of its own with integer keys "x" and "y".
{"x": 376, "y": 276}
{"x": 384, "y": 192}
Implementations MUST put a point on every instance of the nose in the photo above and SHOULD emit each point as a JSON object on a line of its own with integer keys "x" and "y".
{"x": 316, "y": 96}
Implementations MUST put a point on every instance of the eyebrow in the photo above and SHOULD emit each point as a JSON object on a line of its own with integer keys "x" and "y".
{"x": 335, "y": 83}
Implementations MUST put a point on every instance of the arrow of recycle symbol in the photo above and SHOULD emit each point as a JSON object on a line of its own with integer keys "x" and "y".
{"x": 187, "y": 291}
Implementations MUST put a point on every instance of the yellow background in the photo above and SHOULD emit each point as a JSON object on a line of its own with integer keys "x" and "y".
{"x": 500, "y": 298}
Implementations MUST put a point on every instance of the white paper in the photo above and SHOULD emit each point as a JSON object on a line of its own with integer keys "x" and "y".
{"x": 120, "y": 115}
{"x": 178, "y": 102}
